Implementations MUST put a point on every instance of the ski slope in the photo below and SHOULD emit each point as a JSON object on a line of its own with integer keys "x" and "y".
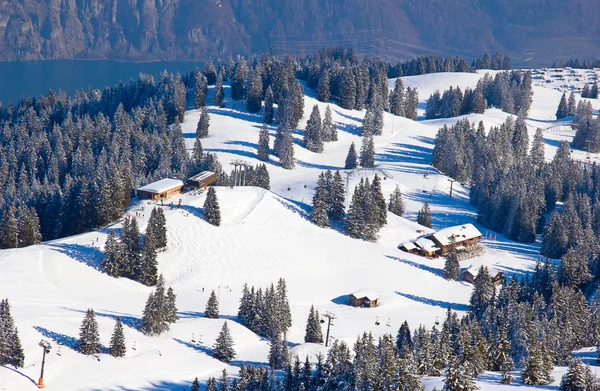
{"x": 264, "y": 235}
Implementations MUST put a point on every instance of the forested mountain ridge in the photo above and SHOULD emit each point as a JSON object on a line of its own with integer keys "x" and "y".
{"x": 532, "y": 31}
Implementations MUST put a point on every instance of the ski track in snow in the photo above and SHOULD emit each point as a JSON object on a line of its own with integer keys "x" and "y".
{"x": 265, "y": 235}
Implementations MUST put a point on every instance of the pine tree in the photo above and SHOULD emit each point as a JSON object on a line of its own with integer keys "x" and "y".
{"x": 576, "y": 377}
{"x": 424, "y": 216}
{"x": 29, "y": 233}
{"x": 396, "y": 204}
{"x": 117, "y": 346}
{"x": 594, "y": 91}
{"x": 314, "y": 333}
{"x": 380, "y": 211}
{"x": 171, "y": 306}
{"x": 9, "y": 229}
{"x": 154, "y": 317}
{"x": 212, "y": 306}
{"x": 355, "y": 224}
{"x": 351, "y": 158}
{"x": 284, "y": 314}
{"x": 112, "y": 256}
{"x": 452, "y": 267}
{"x": 313, "y": 134}
{"x": 534, "y": 372}
{"x": 563, "y": 107}
{"x": 11, "y": 351}
{"x": 367, "y": 152}
{"x": 572, "y": 105}
{"x": 347, "y": 88}
{"x": 269, "y": 102}
{"x": 203, "y": 124}
{"x": 240, "y": 74}
{"x": 17, "y": 356}
{"x": 223, "y": 349}
{"x": 200, "y": 89}
{"x": 337, "y": 198}
{"x": 482, "y": 292}
{"x": 195, "y": 385}
{"x": 212, "y": 212}
{"x": 255, "y": 92}
{"x": 403, "y": 338}
{"x": 318, "y": 214}
{"x": 397, "y": 98}
{"x": 219, "y": 91}
{"x": 286, "y": 156}
{"x": 89, "y": 337}
{"x": 457, "y": 378}
{"x": 263, "y": 144}
{"x": 148, "y": 273}
{"x": 277, "y": 356}
{"x": 323, "y": 88}
{"x": 329, "y": 128}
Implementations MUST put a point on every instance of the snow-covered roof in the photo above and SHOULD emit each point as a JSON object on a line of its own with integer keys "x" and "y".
{"x": 162, "y": 185}
{"x": 408, "y": 245}
{"x": 460, "y": 232}
{"x": 371, "y": 295}
{"x": 202, "y": 175}
{"x": 426, "y": 244}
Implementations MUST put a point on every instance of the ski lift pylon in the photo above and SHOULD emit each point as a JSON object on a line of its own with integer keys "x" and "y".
{"x": 377, "y": 321}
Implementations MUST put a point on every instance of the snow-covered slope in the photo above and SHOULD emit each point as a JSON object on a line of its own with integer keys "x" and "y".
{"x": 265, "y": 235}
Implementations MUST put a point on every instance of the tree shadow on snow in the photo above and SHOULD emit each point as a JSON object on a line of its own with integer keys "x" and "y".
{"x": 196, "y": 346}
{"x": 127, "y": 319}
{"x": 435, "y": 271}
{"x": 246, "y": 154}
{"x": 151, "y": 386}
{"x": 295, "y": 206}
{"x": 354, "y": 130}
{"x": 194, "y": 210}
{"x": 347, "y": 116}
{"x": 58, "y": 338}
{"x": 435, "y": 303}
{"x": 91, "y": 256}
{"x": 323, "y": 167}
{"x": 233, "y": 113}
{"x": 20, "y": 373}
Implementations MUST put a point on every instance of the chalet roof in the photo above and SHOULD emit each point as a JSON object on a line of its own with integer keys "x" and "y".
{"x": 371, "y": 295}
{"x": 426, "y": 244}
{"x": 161, "y": 186}
{"x": 460, "y": 232}
{"x": 408, "y": 245}
{"x": 202, "y": 175}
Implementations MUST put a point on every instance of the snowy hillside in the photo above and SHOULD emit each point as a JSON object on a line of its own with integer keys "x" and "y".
{"x": 264, "y": 235}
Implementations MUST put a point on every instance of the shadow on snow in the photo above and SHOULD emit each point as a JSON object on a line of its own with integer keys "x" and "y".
{"x": 435, "y": 303}
{"x": 91, "y": 256}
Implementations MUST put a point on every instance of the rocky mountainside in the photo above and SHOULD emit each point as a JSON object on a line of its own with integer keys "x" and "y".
{"x": 531, "y": 31}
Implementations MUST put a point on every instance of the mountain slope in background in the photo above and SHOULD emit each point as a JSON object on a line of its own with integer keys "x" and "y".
{"x": 531, "y": 31}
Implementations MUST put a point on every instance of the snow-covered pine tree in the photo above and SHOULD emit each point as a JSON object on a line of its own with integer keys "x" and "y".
{"x": 351, "y": 158}
{"x": 111, "y": 264}
{"x": 223, "y": 348}
{"x": 403, "y": 338}
{"x": 534, "y": 372}
{"x": 396, "y": 204}
{"x": 171, "y": 306}
{"x": 255, "y": 92}
{"x": 148, "y": 272}
{"x": 411, "y": 103}
{"x": 240, "y": 74}
{"x": 284, "y": 314}
{"x": 563, "y": 107}
{"x": 380, "y": 211}
{"x": 269, "y": 102}
{"x": 347, "y": 88}
{"x": 195, "y": 385}
{"x": 11, "y": 351}
{"x": 212, "y": 306}
{"x": 314, "y": 333}
{"x": 212, "y": 212}
{"x": 313, "y": 134}
{"x": 276, "y": 359}
{"x": 200, "y": 89}
{"x": 424, "y": 215}
{"x": 457, "y": 378}
{"x": 203, "y": 124}
{"x": 29, "y": 233}
{"x": 262, "y": 152}
{"x": 367, "y": 152}
{"x": 323, "y": 88}
{"x": 577, "y": 377}
{"x": 154, "y": 317}
{"x": 571, "y": 105}
{"x": 452, "y": 267}
{"x": 219, "y": 91}
{"x": 355, "y": 219}
{"x": 117, "y": 346}
{"x": 482, "y": 292}
{"x": 211, "y": 384}
{"x": 131, "y": 247}
{"x": 329, "y": 128}
{"x": 297, "y": 103}
{"x": 318, "y": 214}
{"x": 397, "y": 98}
{"x": 9, "y": 228}
{"x": 286, "y": 156}
{"x": 89, "y": 337}
{"x": 337, "y": 198}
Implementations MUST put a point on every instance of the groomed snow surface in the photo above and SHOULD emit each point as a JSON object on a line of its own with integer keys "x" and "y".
{"x": 264, "y": 235}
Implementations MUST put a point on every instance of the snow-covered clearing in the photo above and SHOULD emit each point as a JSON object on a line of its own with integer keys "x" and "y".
{"x": 264, "y": 236}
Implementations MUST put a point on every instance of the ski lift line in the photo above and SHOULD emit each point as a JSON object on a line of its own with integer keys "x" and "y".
{"x": 317, "y": 42}
{"x": 325, "y": 34}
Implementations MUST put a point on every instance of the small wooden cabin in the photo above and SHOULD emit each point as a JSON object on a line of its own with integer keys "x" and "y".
{"x": 202, "y": 180}
{"x": 469, "y": 275}
{"x": 363, "y": 299}
{"x": 165, "y": 188}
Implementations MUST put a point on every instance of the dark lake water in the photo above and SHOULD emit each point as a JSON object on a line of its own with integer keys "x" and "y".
{"x": 34, "y": 78}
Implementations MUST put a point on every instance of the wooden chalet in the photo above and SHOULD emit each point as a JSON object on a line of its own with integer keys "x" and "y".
{"x": 470, "y": 275}
{"x": 160, "y": 190}
{"x": 363, "y": 299}
{"x": 202, "y": 180}
{"x": 465, "y": 236}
